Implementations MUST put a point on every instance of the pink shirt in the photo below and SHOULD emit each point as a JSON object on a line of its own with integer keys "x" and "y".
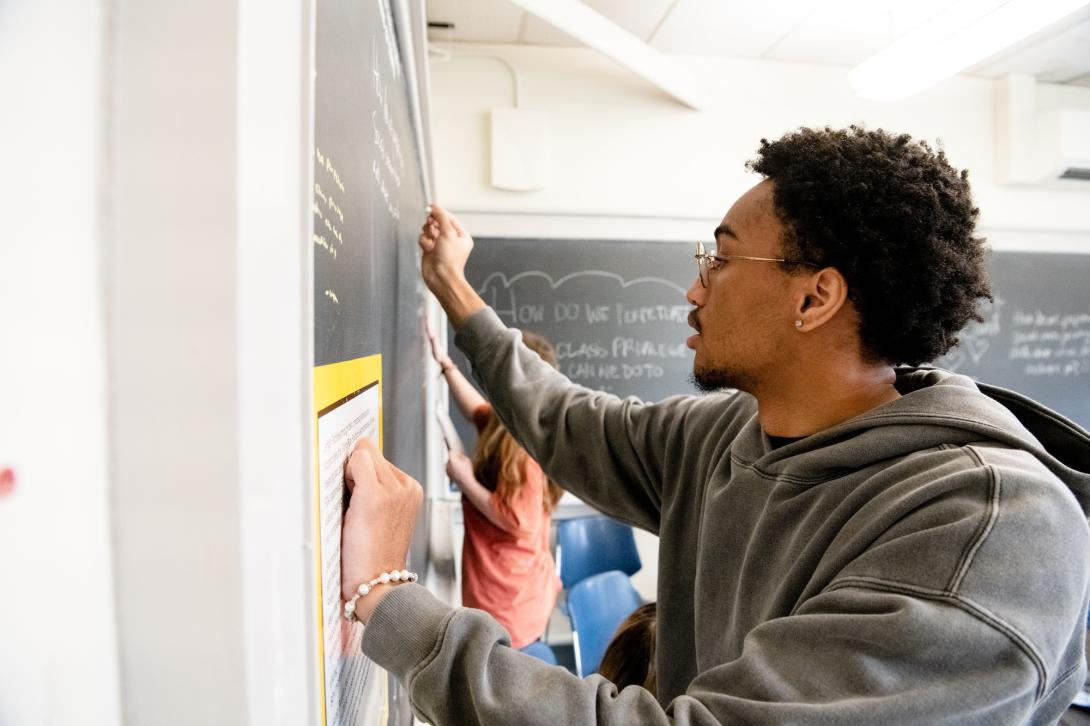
{"x": 508, "y": 571}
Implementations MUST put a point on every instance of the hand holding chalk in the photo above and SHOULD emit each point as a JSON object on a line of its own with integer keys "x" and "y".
{"x": 445, "y": 247}
{"x": 378, "y": 525}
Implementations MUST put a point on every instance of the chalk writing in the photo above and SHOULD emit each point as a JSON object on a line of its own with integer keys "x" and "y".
{"x": 322, "y": 242}
{"x": 501, "y": 278}
{"x": 328, "y": 213}
{"x": 1042, "y": 343}
{"x": 390, "y": 37}
{"x": 601, "y": 341}
{"x": 389, "y": 163}
{"x": 1051, "y": 343}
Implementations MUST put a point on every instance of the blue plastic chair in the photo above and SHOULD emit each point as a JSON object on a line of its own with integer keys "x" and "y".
{"x": 589, "y": 545}
{"x": 598, "y": 605}
{"x": 541, "y": 651}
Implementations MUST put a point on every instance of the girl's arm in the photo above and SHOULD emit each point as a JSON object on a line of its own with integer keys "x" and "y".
{"x": 465, "y": 395}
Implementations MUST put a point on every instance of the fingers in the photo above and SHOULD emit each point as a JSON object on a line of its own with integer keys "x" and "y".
{"x": 361, "y": 462}
{"x": 367, "y": 445}
{"x": 367, "y": 464}
{"x": 441, "y": 224}
{"x": 444, "y": 220}
{"x": 433, "y": 339}
{"x": 429, "y": 233}
{"x": 457, "y": 226}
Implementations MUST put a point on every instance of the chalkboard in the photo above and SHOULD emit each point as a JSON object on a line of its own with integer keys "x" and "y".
{"x": 369, "y": 201}
{"x": 616, "y": 312}
{"x": 1035, "y": 338}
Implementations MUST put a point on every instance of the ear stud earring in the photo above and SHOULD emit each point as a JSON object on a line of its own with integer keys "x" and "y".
{"x": 798, "y": 323}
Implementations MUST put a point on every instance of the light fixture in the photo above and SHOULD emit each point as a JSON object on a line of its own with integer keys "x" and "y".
{"x": 964, "y": 34}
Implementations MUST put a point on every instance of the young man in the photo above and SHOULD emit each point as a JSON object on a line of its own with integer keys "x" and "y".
{"x": 841, "y": 541}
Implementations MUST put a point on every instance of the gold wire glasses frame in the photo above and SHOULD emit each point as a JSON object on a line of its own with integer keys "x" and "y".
{"x": 705, "y": 262}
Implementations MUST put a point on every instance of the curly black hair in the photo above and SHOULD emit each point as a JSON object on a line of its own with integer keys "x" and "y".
{"x": 898, "y": 222}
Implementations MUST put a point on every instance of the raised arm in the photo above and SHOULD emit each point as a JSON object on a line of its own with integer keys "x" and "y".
{"x": 445, "y": 247}
{"x": 611, "y": 453}
{"x": 465, "y": 395}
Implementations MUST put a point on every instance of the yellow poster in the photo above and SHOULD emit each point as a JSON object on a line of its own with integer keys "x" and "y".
{"x": 347, "y": 407}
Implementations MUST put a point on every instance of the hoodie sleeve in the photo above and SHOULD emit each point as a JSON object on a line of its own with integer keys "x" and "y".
{"x": 608, "y": 451}
{"x": 459, "y": 668}
{"x": 854, "y": 655}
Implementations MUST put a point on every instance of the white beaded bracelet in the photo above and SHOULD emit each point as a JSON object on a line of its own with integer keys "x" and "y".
{"x": 363, "y": 589}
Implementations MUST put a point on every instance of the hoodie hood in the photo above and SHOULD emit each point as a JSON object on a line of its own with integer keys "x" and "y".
{"x": 1058, "y": 442}
{"x": 936, "y": 408}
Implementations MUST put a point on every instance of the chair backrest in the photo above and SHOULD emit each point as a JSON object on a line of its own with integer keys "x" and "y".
{"x": 541, "y": 651}
{"x": 598, "y": 605}
{"x": 589, "y": 545}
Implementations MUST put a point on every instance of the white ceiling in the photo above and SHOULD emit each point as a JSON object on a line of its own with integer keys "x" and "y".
{"x": 842, "y": 32}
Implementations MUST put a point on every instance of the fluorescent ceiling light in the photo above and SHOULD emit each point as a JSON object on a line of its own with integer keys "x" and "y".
{"x": 966, "y": 33}
{"x": 612, "y": 41}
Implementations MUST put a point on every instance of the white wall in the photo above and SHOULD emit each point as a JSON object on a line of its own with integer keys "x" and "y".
{"x": 274, "y": 360}
{"x": 171, "y": 308}
{"x": 627, "y": 162}
{"x": 58, "y": 653}
{"x": 154, "y": 363}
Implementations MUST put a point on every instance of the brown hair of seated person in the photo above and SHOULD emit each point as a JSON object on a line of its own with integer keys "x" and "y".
{"x": 629, "y": 659}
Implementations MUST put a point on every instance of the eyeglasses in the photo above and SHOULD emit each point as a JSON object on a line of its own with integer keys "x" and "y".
{"x": 705, "y": 262}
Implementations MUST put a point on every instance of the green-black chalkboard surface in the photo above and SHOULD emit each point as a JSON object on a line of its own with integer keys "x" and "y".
{"x": 1035, "y": 338}
{"x": 368, "y": 204}
{"x": 616, "y": 312}
{"x": 367, "y": 209}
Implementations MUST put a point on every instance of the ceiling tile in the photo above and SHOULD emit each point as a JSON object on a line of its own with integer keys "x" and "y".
{"x": 906, "y": 17}
{"x": 840, "y": 34}
{"x": 638, "y": 18}
{"x": 810, "y": 31}
{"x": 732, "y": 29}
{"x": 847, "y": 32}
{"x": 475, "y": 21}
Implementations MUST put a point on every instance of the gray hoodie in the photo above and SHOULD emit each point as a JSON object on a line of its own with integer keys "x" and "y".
{"x": 925, "y": 562}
